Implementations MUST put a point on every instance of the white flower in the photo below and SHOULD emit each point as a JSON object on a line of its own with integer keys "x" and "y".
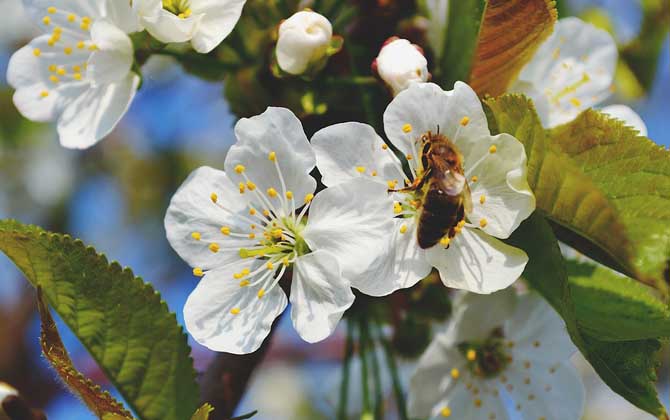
{"x": 5, "y": 391}
{"x": 205, "y": 23}
{"x": 494, "y": 168}
{"x": 79, "y": 74}
{"x": 244, "y": 228}
{"x": 499, "y": 347}
{"x": 572, "y": 71}
{"x": 304, "y": 39}
{"x": 400, "y": 64}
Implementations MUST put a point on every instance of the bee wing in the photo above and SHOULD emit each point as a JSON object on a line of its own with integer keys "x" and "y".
{"x": 467, "y": 198}
{"x": 453, "y": 183}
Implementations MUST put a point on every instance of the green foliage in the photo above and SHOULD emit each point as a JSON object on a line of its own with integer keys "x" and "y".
{"x": 580, "y": 212}
{"x": 627, "y": 367}
{"x": 119, "y": 318}
{"x": 97, "y": 400}
{"x": 634, "y": 174}
{"x": 203, "y": 412}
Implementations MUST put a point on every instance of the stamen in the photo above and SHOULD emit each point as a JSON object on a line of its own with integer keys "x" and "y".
{"x": 272, "y": 192}
{"x": 198, "y": 272}
{"x": 483, "y": 223}
{"x": 445, "y": 241}
{"x": 407, "y": 128}
{"x": 482, "y": 199}
{"x": 196, "y": 235}
{"x": 37, "y": 52}
{"x": 465, "y": 121}
{"x": 403, "y": 229}
{"x": 214, "y": 247}
{"x": 235, "y": 311}
{"x": 493, "y": 149}
{"x": 445, "y": 412}
{"x": 455, "y": 373}
{"x": 240, "y": 169}
{"x": 471, "y": 355}
{"x": 360, "y": 169}
{"x": 272, "y": 156}
{"x": 214, "y": 198}
{"x": 251, "y": 186}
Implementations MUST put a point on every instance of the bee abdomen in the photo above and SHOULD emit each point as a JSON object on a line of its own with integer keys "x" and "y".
{"x": 439, "y": 217}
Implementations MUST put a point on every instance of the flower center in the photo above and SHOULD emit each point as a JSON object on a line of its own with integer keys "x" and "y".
{"x": 180, "y": 8}
{"x": 68, "y": 49}
{"x": 488, "y": 358}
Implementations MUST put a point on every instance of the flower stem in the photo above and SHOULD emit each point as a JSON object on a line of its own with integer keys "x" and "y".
{"x": 363, "y": 350}
{"x": 395, "y": 377}
{"x": 376, "y": 375}
{"x": 346, "y": 369}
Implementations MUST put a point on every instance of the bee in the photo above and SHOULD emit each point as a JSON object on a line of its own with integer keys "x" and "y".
{"x": 447, "y": 198}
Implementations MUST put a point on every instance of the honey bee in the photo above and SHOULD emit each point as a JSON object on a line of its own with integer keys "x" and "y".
{"x": 447, "y": 198}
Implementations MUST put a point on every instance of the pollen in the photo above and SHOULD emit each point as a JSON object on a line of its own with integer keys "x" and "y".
{"x": 465, "y": 121}
{"x": 71, "y": 17}
{"x": 483, "y": 223}
{"x": 272, "y": 193}
{"x": 285, "y": 261}
{"x": 272, "y": 157}
{"x": 373, "y": 173}
{"x": 252, "y": 212}
{"x": 44, "y": 93}
{"x": 244, "y": 283}
{"x": 277, "y": 233}
{"x": 93, "y": 47}
{"x": 214, "y": 247}
{"x": 360, "y": 169}
{"x": 76, "y": 68}
{"x": 198, "y": 272}
{"x": 493, "y": 149}
{"x": 397, "y": 208}
{"x": 53, "y": 68}
{"x": 289, "y": 195}
{"x": 445, "y": 412}
{"x": 445, "y": 241}
{"x": 475, "y": 178}
{"x": 81, "y": 45}
{"x": 252, "y": 235}
{"x": 196, "y": 235}
{"x": 51, "y": 10}
{"x": 407, "y": 128}
{"x": 266, "y": 213}
{"x": 235, "y": 311}
{"x": 575, "y": 102}
{"x": 67, "y": 50}
{"x": 261, "y": 293}
{"x": 270, "y": 266}
{"x": 240, "y": 169}
{"x": 309, "y": 198}
{"x": 242, "y": 187}
{"x": 46, "y": 20}
{"x": 471, "y": 355}
{"x": 482, "y": 199}
{"x": 37, "y": 52}
{"x": 409, "y": 157}
{"x": 61, "y": 71}
{"x": 214, "y": 197}
{"x": 225, "y": 230}
{"x": 385, "y": 147}
{"x": 403, "y": 229}
{"x": 478, "y": 402}
{"x": 392, "y": 184}
{"x": 77, "y": 76}
{"x": 455, "y": 373}
{"x": 251, "y": 185}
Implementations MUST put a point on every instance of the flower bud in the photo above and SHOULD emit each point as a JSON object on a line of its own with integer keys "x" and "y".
{"x": 5, "y": 391}
{"x": 304, "y": 41}
{"x": 400, "y": 64}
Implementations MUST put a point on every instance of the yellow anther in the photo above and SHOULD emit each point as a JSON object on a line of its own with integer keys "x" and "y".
{"x": 392, "y": 184}
{"x": 52, "y": 41}
{"x": 76, "y": 68}
{"x": 53, "y": 79}
{"x": 478, "y": 402}
{"x": 465, "y": 121}
{"x": 252, "y": 226}
{"x": 360, "y": 169}
{"x": 397, "y": 208}
{"x": 51, "y": 10}
{"x": 225, "y": 230}
{"x": 245, "y": 283}
{"x": 277, "y": 233}
{"x": 482, "y": 199}
{"x": 483, "y": 223}
{"x": 46, "y": 20}
{"x": 309, "y": 198}
{"x": 415, "y": 203}
{"x": 252, "y": 235}
{"x": 475, "y": 178}
{"x": 58, "y": 31}
{"x": 37, "y": 52}
{"x": 445, "y": 412}
{"x": 214, "y": 197}
{"x": 261, "y": 293}
{"x": 238, "y": 276}
{"x": 455, "y": 373}
{"x": 373, "y": 173}
{"x": 289, "y": 195}
{"x": 461, "y": 224}
{"x": 235, "y": 311}
{"x": 403, "y": 229}
{"x": 407, "y": 128}
{"x": 575, "y": 102}
{"x": 92, "y": 47}
{"x": 76, "y": 76}
{"x": 242, "y": 187}
{"x": 252, "y": 212}
{"x": 272, "y": 156}
{"x": 71, "y": 17}
{"x": 493, "y": 149}
{"x": 214, "y": 247}
{"x": 61, "y": 71}
{"x": 251, "y": 185}
{"x": 471, "y": 355}
{"x": 270, "y": 266}
{"x": 53, "y": 68}
{"x": 385, "y": 147}
{"x": 86, "y": 20}
{"x": 272, "y": 192}
{"x": 67, "y": 50}
{"x": 409, "y": 157}
{"x": 285, "y": 261}
{"x": 266, "y": 213}
{"x": 445, "y": 241}
{"x": 196, "y": 235}
{"x": 81, "y": 45}
{"x": 240, "y": 169}
{"x": 246, "y": 271}
{"x": 198, "y": 272}
{"x": 44, "y": 94}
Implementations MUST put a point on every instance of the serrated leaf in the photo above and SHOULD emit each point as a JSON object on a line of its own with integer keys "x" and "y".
{"x": 613, "y": 307}
{"x": 580, "y": 212}
{"x": 203, "y": 412}
{"x": 120, "y": 319}
{"x": 489, "y": 42}
{"x": 100, "y": 402}
{"x": 626, "y": 367}
{"x": 511, "y": 33}
{"x": 634, "y": 174}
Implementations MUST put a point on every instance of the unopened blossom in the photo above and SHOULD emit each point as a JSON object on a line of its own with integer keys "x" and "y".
{"x": 79, "y": 72}
{"x": 5, "y": 391}
{"x": 572, "y": 71}
{"x": 494, "y": 169}
{"x": 401, "y": 63}
{"x": 304, "y": 40}
{"x": 501, "y": 354}
{"x": 205, "y": 23}
{"x": 245, "y": 229}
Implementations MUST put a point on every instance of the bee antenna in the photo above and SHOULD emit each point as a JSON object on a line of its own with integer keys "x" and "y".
{"x": 438, "y": 129}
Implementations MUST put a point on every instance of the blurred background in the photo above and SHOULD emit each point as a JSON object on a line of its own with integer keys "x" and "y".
{"x": 114, "y": 197}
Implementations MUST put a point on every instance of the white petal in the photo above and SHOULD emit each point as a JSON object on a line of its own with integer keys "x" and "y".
{"x": 192, "y": 210}
{"x": 343, "y": 149}
{"x": 476, "y": 316}
{"x": 400, "y": 63}
{"x": 164, "y": 25}
{"x": 432, "y": 378}
{"x": 122, "y": 15}
{"x": 628, "y": 116}
{"x": 209, "y": 319}
{"x": 94, "y": 114}
{"x": 276, "y": 130}
{"x": 464, "y": 404}
{"x": 303, "y": 39}
{"x": 426, "y": 107}
{"x": 478, "y": 262}
{"x": 501, "y": 197}
{"x": 112, "y": 61}
{"x": 352, "y": 222}
{"x": 538, "y": 332}
{"x": 319, "y": 295}
{"x": 573, "y": 70}
{"x": 219, "y": 18}
{"x": 550, "y": 392}
{"x": 91, "y": 8}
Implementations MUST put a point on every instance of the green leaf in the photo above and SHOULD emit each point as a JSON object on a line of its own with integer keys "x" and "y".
{"x": 612, "y": 307}
{"x": 581, "y": 214}
{"x": 203, "y": 412}
{"x": 98, "y": 401}
{"x": 634, "y": 174}
{"x": 120, "y": 319}
{"x": 627, "y": 367}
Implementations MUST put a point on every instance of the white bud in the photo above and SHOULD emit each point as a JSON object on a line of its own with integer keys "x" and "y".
{"x": 304, "y": 39}
{"x": 401, "y": 63}
{"x": 5, "y": 391}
